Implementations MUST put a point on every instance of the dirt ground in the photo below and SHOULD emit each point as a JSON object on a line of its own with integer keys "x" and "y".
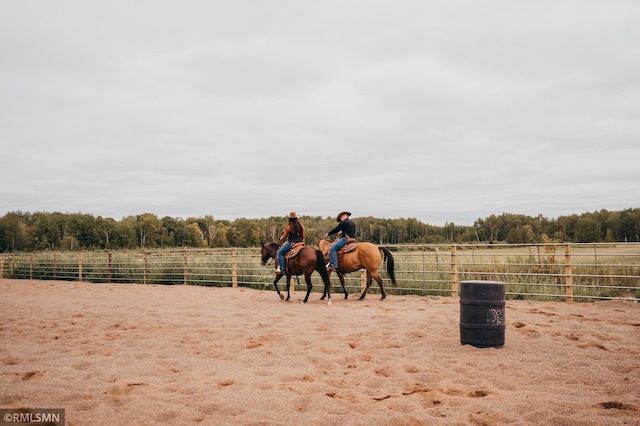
{"x": 123, "y": 354}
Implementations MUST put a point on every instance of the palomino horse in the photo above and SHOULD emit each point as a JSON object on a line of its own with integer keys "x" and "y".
{"x": 364, "y": 255}
{"x": 307, "y": 260}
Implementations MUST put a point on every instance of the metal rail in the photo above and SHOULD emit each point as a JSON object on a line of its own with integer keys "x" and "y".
{"x": 565, "y": 272}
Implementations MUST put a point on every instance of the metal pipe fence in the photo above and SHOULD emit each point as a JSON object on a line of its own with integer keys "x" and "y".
{"x": 561, "y": 272}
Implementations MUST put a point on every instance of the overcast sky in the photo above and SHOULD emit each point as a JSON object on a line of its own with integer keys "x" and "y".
{"x": 444, "y": 111}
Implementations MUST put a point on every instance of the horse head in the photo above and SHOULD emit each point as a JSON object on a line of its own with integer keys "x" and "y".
{"x": 264, "y": 254}
{"x": 267, "y": 251}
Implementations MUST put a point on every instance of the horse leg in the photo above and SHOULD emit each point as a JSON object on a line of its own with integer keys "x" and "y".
{"x": 327, "y": 290}
{"x": 370, "y": 277}
{"x": 307, "y": 279}
{"x": 288, "y": 287}
{"x": 275, "y": 284}
{"x": 378, "y": 279}
{"x": 344, "y": 289}
{"x": 325, "y": 293}
{"x": 364, "y": 293}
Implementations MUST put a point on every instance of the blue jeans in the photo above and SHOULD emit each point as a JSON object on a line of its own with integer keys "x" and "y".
{"x": 333, "y": 252}
{"x": 281, "y": 252}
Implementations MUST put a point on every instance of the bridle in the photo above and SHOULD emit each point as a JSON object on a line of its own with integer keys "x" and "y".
{"x": 271, "y": 258}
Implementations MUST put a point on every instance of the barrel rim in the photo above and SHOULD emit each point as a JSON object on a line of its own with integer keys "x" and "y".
{"x": 482, "y": 302}
{"x": 469, "y": 326}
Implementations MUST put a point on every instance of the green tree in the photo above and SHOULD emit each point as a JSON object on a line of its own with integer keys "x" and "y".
{"x": 147, "y": 226}
{"x": 211, "y": 228}
{"x": 528, "y": 235}
{"x": 13, "y": 232}
{"x": 194, "y": 236}
{"x": 126, "y": 235}
{"x": 105, "y": 228}
{"x": 587, "y": 230}
{"x": 220, "y": 238}
{"x": 515, "y": 236}
{"x": 84, "y": 228}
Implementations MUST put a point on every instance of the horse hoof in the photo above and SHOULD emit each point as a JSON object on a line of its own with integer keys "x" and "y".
{"x": 281, "y": 297}
{"x": 329, "y": 303}
{"x": 303, "y": 302}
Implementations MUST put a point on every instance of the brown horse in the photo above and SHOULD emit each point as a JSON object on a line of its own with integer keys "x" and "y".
{"x": 307, "y": 260}
{"x": 367, "y": 256}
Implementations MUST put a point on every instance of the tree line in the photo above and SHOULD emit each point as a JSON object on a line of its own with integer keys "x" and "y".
{"x": 20, "y": 231}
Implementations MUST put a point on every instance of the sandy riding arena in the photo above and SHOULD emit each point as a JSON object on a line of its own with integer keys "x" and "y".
{"x": 118, "y": 354}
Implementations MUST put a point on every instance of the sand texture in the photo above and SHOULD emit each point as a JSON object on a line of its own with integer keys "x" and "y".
{"x": 126, "y": 354}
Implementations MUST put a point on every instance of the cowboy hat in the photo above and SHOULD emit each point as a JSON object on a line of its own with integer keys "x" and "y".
{"x": 292, "y": 215}
{"x": 340, "y": 215}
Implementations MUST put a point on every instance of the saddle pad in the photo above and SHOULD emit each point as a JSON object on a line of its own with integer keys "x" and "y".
{"x": 294, "y": 250}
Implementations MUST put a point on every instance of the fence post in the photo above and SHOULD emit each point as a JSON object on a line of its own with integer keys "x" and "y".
{"x": 568, "y": 272}
{"x": 186, "y": 268}
{"x": 234, "y": 267}
{"x": 109, "y": 267}
{"x": 1, "y": 266}
{"x": 144, "y": 272}
{"x": 31, "y": 266}
{"x": 454, "y": 272}
{"x": 80, "y": 266}
{"x": 55, "y": 265}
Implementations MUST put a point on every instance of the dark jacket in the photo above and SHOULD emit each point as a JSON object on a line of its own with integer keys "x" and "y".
{"x": 347, "y": 226}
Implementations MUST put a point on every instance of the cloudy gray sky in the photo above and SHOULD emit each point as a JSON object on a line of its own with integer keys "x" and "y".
{"x": 446, "y": 111}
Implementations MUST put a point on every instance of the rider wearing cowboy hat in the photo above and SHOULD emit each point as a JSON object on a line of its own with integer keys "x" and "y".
{"x": 293, "y": 233}
{"x": 347, "y": 228}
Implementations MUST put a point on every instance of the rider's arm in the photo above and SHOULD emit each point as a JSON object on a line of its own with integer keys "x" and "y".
{"x": 286, "y": 232}
{"x": 336, "y": 229}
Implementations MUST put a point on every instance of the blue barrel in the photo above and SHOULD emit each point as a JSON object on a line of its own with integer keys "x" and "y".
{"x": 482, "y": 313}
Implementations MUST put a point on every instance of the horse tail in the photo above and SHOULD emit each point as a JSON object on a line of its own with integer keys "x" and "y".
{"x": 390, "y": 264}
{"x": 322, "y": 270}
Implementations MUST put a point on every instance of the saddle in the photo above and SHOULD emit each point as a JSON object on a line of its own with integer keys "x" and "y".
{"x": 350, "y": 246}
{"x": 294, "y": 250}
